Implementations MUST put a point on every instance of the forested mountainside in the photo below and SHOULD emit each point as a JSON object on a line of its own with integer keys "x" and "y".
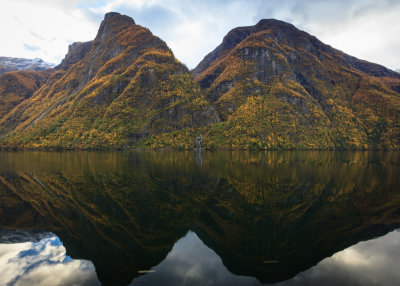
{"x": 275, "y": 86}
{"x": 123, "y": 86}
{"x": 268, "y": 86}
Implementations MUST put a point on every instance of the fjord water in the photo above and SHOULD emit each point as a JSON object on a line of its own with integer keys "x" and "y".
{"x": 183, "y": 218}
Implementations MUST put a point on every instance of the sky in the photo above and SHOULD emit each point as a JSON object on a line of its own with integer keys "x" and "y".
{"x": 367, "y": 29}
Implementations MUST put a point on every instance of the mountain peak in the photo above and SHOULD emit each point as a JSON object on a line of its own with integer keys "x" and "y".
{"x": 118, "y": 16}
{"x": 282, "y": 30}
{"x": 114, "y": 23}
{"x": 110, "y": 15}
{"x": 272, "y": 22}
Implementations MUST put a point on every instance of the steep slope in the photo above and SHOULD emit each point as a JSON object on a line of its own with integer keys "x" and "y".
{"x": 275, "y": 86}
{"x": 16, "y": 86}
{"x": 15, "y": 64}
{"x": 122, "y": 88}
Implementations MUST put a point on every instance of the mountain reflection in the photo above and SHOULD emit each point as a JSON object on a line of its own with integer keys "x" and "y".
{"x": 266, "y": 215}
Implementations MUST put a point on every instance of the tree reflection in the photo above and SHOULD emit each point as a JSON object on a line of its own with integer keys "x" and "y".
{"x": 266, "y": 214}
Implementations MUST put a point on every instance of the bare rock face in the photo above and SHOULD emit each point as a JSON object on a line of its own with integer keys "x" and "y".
{"x": 76, "y": 52}
{"x": 16, "y": 64}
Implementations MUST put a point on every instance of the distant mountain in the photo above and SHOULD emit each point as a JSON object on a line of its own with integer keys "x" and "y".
{"x": 16, "y": 64}
{"x": 275, "y": 86}
{"x": 398, "y": 70}
{"x": 267, "y": 86}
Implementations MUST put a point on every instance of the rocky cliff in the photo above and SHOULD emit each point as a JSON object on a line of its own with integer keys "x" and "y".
{"x": 76, "y": 52}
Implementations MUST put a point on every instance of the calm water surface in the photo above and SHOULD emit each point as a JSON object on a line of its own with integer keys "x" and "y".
{"x": 216, "y": 218}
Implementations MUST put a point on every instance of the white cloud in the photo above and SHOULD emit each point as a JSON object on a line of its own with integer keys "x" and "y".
{"x": 51, "y": 28}
{"x": 363, "y": 28}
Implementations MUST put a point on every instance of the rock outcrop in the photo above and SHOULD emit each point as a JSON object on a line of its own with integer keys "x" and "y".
{"x": 76, "y": 52}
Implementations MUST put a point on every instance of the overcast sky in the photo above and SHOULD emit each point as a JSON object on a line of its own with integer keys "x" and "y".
{"x": 367, "y": 29}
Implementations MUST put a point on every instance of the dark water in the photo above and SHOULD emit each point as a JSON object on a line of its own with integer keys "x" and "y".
{"x": 222, "y": 218}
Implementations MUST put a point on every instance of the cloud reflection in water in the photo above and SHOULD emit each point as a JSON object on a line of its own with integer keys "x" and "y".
{"x": 372, "y": 262}
{"x": 190, "y": 262}
{"x": 43, "y": 263}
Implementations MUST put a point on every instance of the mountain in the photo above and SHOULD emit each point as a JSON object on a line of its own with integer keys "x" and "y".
{"x": 123, "y": 86}
{"x": 275, "y": 86}
{"x": 267, "y": 86}
{"x": 15, "y": 64}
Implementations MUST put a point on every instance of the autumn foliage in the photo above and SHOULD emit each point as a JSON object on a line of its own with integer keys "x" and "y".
{"x": 268, "y": 86}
